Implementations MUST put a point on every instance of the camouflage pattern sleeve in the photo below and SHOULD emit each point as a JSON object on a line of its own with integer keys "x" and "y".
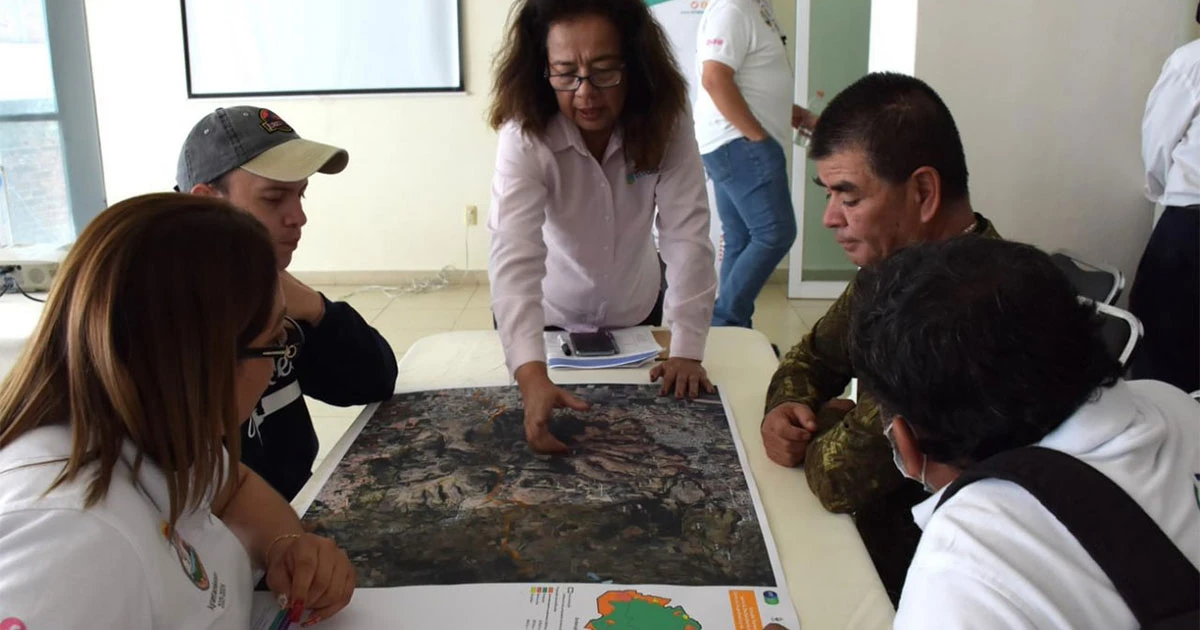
{"x": 818, "y": 368}
{"x": 850, "y": 465}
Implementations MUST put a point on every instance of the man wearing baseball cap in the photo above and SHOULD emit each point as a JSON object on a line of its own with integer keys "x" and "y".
{"x": 252, "y": 158}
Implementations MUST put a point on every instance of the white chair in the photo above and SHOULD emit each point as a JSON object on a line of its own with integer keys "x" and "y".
{"x": 1122, "y": 330}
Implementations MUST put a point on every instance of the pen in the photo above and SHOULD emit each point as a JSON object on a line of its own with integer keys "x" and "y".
{"x": 566, "y": 347}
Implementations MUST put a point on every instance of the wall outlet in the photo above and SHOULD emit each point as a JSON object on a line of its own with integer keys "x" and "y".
{"x": 472, "y": 215}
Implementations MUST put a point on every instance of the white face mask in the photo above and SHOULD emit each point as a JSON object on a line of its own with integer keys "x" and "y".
{"x": 899, "y": 461}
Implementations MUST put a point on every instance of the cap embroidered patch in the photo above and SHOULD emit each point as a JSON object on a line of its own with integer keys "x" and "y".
{"x": 271, "y": 122}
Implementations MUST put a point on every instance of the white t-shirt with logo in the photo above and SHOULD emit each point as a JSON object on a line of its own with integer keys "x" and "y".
{"x": 111, "y": 565}
{"x": 993, "y": 557}
{"x": 743, "y": 35}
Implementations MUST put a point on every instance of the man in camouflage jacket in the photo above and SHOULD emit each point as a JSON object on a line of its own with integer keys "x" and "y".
{"x": 889, "y": 155}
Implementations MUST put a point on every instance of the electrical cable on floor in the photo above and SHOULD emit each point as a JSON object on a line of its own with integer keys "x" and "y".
{"x": 444, "y": 279}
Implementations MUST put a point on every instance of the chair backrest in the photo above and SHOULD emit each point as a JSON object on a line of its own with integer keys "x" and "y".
{"x": 1122, "y": 330}
{"x": 1099, "y": 282}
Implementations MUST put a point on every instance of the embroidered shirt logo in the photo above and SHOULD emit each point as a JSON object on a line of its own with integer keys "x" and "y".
{"x": 716, "y": 41}
{"x": 631, "y": 178}
{"x": 188, "y": 559}
{"x": 271, "y": 122}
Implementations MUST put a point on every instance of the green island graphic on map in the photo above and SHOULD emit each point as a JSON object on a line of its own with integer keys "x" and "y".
{"x": 631, "y": 610}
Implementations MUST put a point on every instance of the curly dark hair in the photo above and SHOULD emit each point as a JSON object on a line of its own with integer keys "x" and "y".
{"x": 979, "y": 344}
{"x": 656, "y": 94}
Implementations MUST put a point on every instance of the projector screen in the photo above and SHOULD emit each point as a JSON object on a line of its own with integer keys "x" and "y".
{"x": 279, "y": 47}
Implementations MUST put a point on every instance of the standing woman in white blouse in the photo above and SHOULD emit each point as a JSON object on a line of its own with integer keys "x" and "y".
{"x": 119, "y": 504}
{"x": 594, "y": 135}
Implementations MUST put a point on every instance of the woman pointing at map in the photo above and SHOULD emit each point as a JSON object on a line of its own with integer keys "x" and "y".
{"x": 594, "y": 134}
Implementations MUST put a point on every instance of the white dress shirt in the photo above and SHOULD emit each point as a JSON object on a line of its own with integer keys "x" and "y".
{"x": 111, "y": 565}
{"x": 993, "y": 557}
{"x": 1171, "y": 131}
{"x": 572, "y": 244}
{"x": 743, "y": 35}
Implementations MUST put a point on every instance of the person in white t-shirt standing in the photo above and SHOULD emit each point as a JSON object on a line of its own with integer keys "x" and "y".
{"x": 743, "y": 117}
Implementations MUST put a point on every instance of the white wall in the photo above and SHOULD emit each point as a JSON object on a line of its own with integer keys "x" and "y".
{"x": 893, "y": 45}
{"x": 1049, "y": 102}
{"x": 1049, "y": 96}
{"x": 416, "y": 161}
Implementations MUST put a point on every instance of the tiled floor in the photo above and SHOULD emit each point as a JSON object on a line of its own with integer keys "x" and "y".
{"x": 405, "y": 319}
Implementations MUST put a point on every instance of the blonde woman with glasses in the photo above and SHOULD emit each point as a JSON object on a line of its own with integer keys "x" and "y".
{"x": 122, "y": 502}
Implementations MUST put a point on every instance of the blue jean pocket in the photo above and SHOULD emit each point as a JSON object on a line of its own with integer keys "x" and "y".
{"x": 764, "y": 160}
{"x": 718, "y": 163}
{"x": 765, "y": 152}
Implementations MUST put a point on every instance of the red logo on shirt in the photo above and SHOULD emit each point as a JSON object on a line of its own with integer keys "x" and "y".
{"x": 12, "y": 623}
{"x": 716, "y": 41}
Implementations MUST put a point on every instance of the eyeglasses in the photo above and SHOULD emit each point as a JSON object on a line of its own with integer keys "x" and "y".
{"x": 606, "y": 78}
{"x": 289, "y": 347}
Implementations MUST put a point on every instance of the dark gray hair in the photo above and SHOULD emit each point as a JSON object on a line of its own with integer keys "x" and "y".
{"x": 979, "y": 344}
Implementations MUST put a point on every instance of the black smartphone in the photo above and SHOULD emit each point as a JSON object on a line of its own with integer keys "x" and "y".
{"x": 597, "y": 344}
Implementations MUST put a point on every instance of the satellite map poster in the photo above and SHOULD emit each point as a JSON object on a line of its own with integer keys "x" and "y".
{"x": 651, "y": 523}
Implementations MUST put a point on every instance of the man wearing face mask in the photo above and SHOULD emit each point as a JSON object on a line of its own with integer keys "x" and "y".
{"x": 889, "y": 154}
{"x": 977, "y": 348}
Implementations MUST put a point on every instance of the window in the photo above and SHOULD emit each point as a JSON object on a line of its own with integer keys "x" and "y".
{"x": 47, "y": 188}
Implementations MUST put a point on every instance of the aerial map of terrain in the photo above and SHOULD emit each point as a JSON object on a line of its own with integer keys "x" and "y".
{"x": 440, "y": 488}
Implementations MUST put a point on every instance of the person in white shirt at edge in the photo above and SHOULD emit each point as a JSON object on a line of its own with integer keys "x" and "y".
{"x": 119, "y": 505}
{"x": 594, "y": 133}
{"x": 979, "y": 346}
{"x": 1166, "y": 289}
{"x": 742, "y": 115}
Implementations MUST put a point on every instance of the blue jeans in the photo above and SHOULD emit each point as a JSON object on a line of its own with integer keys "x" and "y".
{"x": 757, "y": 220}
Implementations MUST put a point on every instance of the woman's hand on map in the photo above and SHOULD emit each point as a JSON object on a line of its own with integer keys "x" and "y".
{"x": 311, "y": 573}
{"x": 685, "y": 376}
{"x": 540, "y": 397}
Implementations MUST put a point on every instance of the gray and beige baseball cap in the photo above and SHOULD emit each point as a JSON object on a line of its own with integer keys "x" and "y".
{"x": 254, "y": 139}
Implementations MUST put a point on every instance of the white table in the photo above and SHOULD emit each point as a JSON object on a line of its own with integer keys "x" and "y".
{"x": 832, "y": 581}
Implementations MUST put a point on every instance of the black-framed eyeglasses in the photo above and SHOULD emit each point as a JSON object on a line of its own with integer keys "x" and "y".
{"x": 568, "y": 82}
{"x": 288, "y": 349}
